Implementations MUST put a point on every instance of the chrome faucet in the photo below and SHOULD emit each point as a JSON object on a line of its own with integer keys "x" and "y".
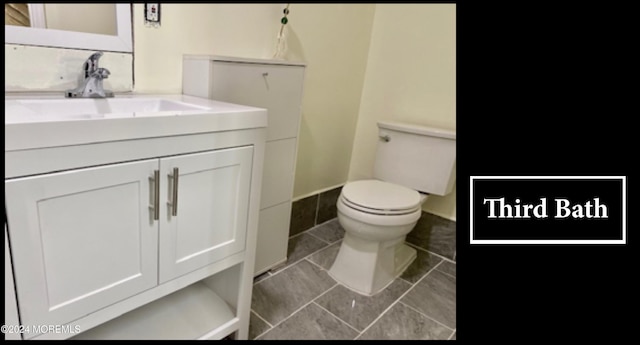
{"x": 91, "y": 83}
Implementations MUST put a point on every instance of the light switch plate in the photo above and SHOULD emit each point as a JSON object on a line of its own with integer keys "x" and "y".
{"x": 152, "y": 13}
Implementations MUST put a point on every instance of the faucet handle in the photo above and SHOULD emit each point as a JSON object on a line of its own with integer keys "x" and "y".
{"x": 101, "y": 73}
{"x": 91, "y": 64}
{"x": 95, "y": 56}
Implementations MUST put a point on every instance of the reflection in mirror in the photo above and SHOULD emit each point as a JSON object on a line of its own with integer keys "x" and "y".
{"x": 83, "y": 26}
{"x": 99, "y": 18}
{"x": 95, "y": 18}
{"x": 16, "y": 14}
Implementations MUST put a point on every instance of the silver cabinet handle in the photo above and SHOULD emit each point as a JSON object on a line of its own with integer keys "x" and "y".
{"x": 174, "y": 196}
{"x": 156, "y": 194}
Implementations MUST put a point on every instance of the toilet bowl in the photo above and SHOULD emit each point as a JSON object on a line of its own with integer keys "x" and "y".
{"x": 411, "y": 162}
{"x": 376, "y": 216}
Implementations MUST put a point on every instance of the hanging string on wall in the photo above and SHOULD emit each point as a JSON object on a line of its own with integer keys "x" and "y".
{"x": 281, "y": 44}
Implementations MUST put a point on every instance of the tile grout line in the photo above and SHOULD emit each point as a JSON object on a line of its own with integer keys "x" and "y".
{"x": 421, "y": 313}
{"x": 336, "y": 316}
{"x": 284, "y": 268}
{"x": 297, "y": 310}
{"x": 327, "y": 221}
{"x": 312, "y": 228}
{"x": 298, "y": 261}
{"x": 412, "y": 285}
{"x": 273, "y": 274}
{"x": 263, "y": 279}
{"x": 261, "y": 334}
{"x": 443, "y": 259}
{"x": 300, "y": 233}
{"x": 450, "y": 275}
{"x": 268, "y": 274}
{"x": 323, "y": 308}
{"x": 428, "y": 272}
{"x": 327, "y": 242}
{"x": 261, "y": 318}
{"x": 320, "y": 267}
{"x": 397, "y": 300}
{"x": 428, "y": 317}
{"x": 323, "y": 240}
{"x": 430, "y": 252}
{"x": 318, "y": 297}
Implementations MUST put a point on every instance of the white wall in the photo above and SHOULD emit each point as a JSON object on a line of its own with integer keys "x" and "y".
{"x": 411, "y": 77}
{"x": 244, "y": 30}
{"x": 364, "y": 62}
{"x": 333, "y": 39}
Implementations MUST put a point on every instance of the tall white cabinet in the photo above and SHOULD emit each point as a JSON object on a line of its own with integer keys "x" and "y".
{"x": 277, "y": 86}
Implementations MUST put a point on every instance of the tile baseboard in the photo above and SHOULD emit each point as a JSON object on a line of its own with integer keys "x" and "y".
{"x": 432, "y": 232}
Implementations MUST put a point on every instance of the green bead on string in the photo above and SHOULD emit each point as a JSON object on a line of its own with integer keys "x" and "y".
{"x": 281, "y": 42}
{"x": 284, "y": 19}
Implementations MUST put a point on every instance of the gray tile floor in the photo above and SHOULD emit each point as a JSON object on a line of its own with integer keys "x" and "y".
{"x": 301, "y": 301}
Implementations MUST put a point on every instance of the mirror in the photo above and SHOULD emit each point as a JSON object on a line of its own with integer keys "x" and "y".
{"x": 108, "y": 30}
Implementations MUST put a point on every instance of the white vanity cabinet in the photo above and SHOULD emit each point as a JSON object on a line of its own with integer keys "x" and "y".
{"x": 275, "y": 85}
{"x": 82, "y": 239}
{"x": 147, "y": 238}
{"x": 93, "y": 237}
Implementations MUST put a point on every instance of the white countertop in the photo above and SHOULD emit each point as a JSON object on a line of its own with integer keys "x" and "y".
{"x": 47, "y": 120}
{"x": 243, "y": 60}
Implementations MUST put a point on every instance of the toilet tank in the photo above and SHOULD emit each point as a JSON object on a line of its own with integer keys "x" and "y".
{"x": 418, "y": 157}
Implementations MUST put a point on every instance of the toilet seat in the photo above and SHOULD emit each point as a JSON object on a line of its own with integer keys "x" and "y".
{"x": 380, "y": 198}
{"x": 374, "y": 211}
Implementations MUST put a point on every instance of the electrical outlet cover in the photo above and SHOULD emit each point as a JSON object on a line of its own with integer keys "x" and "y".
{"x": 152, "y": 13}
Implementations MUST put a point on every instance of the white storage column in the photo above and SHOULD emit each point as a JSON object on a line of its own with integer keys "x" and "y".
{"x": 277, "y": 86}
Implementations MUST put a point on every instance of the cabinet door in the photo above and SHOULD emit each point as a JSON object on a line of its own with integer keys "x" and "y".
{"x": 81, "y": 239}
{"x": 210, "y": 221}
{"x": 278, "y": 88}
{"x": 273, "y": 237}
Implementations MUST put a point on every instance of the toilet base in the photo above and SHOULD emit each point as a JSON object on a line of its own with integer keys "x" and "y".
{"x": 404, "y": 257}
{"x": 368, "y": 267}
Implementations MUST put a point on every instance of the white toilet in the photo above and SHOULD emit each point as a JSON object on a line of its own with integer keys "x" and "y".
{"x": 411, "y": 163}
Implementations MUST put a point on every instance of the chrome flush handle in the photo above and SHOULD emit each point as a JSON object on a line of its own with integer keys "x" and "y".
{"x": 385, "y": 138}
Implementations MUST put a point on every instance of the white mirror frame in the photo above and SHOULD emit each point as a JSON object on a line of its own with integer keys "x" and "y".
{"x": 122, "y": 42}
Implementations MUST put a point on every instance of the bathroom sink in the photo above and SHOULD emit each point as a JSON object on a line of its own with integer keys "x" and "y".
{"x": 40, "y": 121}
{"x": 89, "y": 107}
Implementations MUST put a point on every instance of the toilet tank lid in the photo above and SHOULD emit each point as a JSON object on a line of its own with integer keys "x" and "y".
{"x": 418, "y": 129}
